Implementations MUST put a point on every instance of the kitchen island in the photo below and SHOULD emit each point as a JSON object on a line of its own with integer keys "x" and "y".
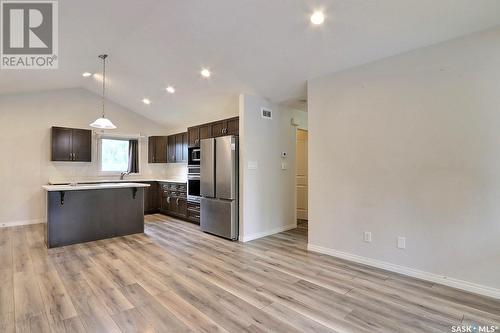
{"x": 87, "y": 212}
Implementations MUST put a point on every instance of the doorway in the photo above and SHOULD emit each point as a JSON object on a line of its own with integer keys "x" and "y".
{"x": 301, "y": 174}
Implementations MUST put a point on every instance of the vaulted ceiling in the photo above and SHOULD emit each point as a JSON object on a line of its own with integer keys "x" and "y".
{"x": 263, "y": 47}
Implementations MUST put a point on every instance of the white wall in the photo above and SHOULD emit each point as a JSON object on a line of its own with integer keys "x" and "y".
{"x": 267, "y": 194}
{"x": 410, "y": 146}
{"x": 25, "y": 145}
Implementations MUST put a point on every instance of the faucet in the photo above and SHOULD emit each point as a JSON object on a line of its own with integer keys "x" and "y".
{"x": 123, "y": 174}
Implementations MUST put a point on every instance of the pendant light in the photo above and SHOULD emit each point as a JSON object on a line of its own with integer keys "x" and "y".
{"x": 103, "y": 122}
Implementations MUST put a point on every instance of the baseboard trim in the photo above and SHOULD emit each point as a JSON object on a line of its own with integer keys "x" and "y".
{"x": 444, "y": 280}
{"x": 267, "y": 233}
{"x": 21, "y": 222}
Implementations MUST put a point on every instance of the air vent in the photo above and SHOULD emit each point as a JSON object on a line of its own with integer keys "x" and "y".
{"x": 266, "y": 113}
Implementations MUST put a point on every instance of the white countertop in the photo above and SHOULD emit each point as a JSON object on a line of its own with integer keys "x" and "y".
{"x": 82, "y": 187}
{"x": 87, "y": 181}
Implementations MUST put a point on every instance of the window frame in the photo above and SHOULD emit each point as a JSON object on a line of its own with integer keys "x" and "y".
{"x": 99, "y": 154}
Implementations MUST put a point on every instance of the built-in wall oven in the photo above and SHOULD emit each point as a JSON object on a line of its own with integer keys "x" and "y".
{"x": 193, "y": 184}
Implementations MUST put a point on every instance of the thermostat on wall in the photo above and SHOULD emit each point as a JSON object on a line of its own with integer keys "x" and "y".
{"x": 266, "y": 113}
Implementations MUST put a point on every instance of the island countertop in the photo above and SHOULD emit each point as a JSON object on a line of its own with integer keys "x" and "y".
{"x": 83, "y": 187}
{"x": 129, "y": 180}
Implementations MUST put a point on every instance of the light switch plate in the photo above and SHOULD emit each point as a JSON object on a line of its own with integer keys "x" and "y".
{"x": 283, "y": 166}
{"x": 253, "y": 165}
{"x": 401, "y": 242}
{"x": 367, "y": 236}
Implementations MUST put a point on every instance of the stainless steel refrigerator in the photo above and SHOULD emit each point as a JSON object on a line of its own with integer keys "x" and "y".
{"x": 219, "y": 186}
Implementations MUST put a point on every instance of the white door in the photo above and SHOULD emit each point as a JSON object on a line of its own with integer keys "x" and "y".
{"x": 301, "y": 164}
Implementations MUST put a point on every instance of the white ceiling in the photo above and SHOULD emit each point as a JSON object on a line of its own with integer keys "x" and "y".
{"x": 263, "y": 47}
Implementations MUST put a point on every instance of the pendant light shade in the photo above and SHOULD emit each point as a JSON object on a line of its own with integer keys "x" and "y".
{"x": 103, "y": 122}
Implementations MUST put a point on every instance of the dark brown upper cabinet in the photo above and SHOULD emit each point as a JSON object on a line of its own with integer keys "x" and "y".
{"x": 168, "y": 149}
{"x": 194, "y": 136}
{"x": 233, "y": 126}
{"x": 198, "y": 133}
{"x": 205, "y": 131}
{"x": 226, "y": 127}
{"x": 157, "y": 149}
{"x": 71, "y": 144}
{"x": 218, "y": 128}
{"x": 171, "y": 149}
{"x": 181, "y": 147}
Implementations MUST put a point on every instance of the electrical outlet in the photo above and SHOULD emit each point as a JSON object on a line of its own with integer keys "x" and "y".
{"x": 368, "y": 237}
{"x": 401, "y": 242}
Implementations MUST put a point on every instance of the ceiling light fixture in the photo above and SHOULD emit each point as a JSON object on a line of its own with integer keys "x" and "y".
{"x": 170, "y": 89}
{"x": 317, "y": 18}
{"x": 146, "y": 101}
{"x": 87, "y": 74}
{"x": 205, "y": 72}
{"x": 103, "y": 122}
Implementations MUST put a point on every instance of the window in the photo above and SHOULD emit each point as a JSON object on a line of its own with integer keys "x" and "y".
{"x": 114, "y": 155}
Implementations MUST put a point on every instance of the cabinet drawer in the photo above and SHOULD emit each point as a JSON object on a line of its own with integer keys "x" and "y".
{"x": 193, "y": 216}
{"x": 194, "y": 208}
{"x": 181, "y": 187}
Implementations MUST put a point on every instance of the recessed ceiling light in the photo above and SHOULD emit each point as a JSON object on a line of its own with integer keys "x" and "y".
{"x": 87, "y": 74}
{"x": 146, "y": 101}
{"x": 170, "y": 89}
{"x": 205, "y": 72}
{"x": 317, "y": 18}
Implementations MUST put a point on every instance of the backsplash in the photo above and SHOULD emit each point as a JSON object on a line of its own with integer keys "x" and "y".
{"x": 60, "y": 172}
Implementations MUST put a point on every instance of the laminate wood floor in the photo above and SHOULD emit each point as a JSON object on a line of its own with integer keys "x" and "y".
{"x": 174, "y": 278}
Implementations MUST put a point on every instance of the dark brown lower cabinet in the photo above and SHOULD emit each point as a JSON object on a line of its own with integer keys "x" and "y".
{"x": 193, "y": 212}
{"x": 151, "y": 199}
{"x": 170, "y": 199}
{"x": 182, "y": 206}
{"x": 173, "y": 199}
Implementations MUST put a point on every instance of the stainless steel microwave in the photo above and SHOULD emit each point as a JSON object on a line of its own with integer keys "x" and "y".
{"x": 195, "y": 155}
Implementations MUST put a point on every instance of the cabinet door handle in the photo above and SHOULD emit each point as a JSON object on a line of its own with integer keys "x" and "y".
{"x": 74, "y": 156}
{"x": 168, "y": 200}
{"x": 177, "y": 202}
